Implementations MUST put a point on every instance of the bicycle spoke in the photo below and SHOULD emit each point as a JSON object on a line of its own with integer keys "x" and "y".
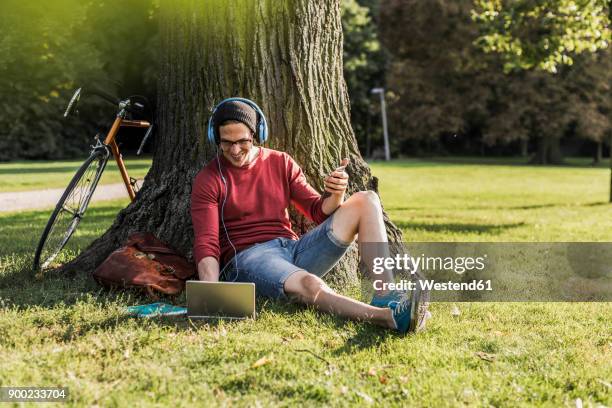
{"x": 89, "y": 185}
{"x": 68, "y": 210}
{"x": 67, "y": 216}
{"x": 56, "y": 241}
{"x": 77, "y": 195}
{"x": 83, "y": 188}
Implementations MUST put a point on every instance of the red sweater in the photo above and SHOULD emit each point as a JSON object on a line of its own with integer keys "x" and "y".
{"x": 255, "y": 210}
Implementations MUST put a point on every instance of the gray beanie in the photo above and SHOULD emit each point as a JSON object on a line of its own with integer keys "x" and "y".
{"x": 235, "y": 110}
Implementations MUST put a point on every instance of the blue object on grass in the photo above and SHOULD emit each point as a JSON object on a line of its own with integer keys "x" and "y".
{"x": 156, "y": 309}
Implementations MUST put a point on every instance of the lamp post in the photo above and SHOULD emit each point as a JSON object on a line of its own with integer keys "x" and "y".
{"x": 383, "y": 111}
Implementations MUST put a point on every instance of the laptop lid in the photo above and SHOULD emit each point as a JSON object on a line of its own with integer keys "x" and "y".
{"x": 220, "y": 299}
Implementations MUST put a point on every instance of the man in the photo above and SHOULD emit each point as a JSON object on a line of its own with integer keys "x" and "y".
{"x": 239, "y": 210}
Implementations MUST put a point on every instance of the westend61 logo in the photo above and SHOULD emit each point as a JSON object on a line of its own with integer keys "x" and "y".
{"x": 411, "y": 264}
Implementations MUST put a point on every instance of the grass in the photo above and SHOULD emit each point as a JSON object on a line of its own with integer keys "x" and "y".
{"x": 515, "y": 160}
{"x": 438, "y": 201}
{"x": 34, "y": 175}
{"x": 67, "y": 332}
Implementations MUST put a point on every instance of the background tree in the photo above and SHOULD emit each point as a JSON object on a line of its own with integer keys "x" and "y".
{"x": 364, "y": 68}
{"x": 545, "y": 34}
{"x": 435, "y": 74}
{"x": 453, "y": 97}
{"x": 531, "y": 106}
{"x": 285, "y": 55}
{"x": 46, "y": 52}
{"x": 38, "y": 64}
{"x": 445, "y": 94}
{"x": 590, "y": 87}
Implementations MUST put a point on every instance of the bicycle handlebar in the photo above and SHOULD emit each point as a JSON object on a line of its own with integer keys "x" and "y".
{"x": 107, "y": 97}
{"x": 128, "y": 105}
{"x": 75, "y": 98}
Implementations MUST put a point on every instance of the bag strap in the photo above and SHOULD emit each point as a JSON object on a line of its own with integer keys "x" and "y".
{"x": 147, "y": 248}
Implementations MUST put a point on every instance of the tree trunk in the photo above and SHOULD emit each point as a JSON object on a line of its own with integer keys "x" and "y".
{"x": 287, "y": 57}
{"x": 610, "y": 200}
{"x": 610, "y": 146}
{"x": 548, "y": 151}
{"x": 598, "y": 157}
{"x": 524, "y": 147}
{"x": 540, "y": 153}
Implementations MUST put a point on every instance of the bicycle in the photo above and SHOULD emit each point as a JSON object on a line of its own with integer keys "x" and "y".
{"x": 73, "y": 203}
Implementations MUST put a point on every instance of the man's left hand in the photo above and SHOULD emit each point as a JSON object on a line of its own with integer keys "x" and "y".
{"x": 337, "y": 181}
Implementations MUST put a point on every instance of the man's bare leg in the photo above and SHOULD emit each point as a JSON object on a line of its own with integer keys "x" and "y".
{"x": 311, "y": 290}
{"x": 362, "y": 214}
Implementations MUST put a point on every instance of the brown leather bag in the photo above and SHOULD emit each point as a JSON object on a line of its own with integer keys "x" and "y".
{"x": 148, "y": 263}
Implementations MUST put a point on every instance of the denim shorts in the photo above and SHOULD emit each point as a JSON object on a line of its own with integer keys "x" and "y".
{"x": 270, "y": 263}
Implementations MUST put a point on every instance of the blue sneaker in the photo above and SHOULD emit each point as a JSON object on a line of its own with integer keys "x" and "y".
{"x": 391, "y": 296}
{"x": 410, "y": 315}
{"x": 401, "y": 315}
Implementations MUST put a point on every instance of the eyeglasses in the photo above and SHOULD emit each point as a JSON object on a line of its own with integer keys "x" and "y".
{"x": 226, "y": 144}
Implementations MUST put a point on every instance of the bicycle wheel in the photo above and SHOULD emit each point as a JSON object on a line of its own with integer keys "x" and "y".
{"x": 70, "y": 208}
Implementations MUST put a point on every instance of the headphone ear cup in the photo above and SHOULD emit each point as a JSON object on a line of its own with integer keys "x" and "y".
{"x": 210, "y": 134}
{"x": 262, "y": 132}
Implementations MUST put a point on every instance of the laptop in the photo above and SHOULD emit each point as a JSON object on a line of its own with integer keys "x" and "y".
{"x": 213, "y": 300}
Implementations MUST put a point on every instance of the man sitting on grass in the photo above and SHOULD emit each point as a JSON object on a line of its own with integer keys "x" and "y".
{"x": 239, "y": 207}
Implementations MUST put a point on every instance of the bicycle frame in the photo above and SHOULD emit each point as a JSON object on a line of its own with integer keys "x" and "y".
{"x": 47, "y": 250}
{"x": 111, "y": 142}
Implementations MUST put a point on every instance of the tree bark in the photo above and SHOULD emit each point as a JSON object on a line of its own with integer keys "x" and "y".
{"x": 610, "y": 198}
{"x": 287, "y": 57}
{"x": 524, "y": 147}
{"x": 598, "y": 155}
{"x": 610, "y": 146}
{"x": 548, "y": 151}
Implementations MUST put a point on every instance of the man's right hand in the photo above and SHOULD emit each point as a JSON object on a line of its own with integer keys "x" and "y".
{"x": 208, "y": 269}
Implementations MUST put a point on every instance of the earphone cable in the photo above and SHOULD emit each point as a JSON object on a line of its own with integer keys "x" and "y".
{"x": 222, "y": 217}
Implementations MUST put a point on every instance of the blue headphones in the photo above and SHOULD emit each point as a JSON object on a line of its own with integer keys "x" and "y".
{"x": 262, "y": 124}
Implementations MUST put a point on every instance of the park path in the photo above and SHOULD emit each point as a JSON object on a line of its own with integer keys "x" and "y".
{"x": 30, "y": 200}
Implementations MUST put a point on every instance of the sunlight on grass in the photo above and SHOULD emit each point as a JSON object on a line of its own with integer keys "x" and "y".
{"x": 37, "y": 175}
{"x": 66, "y": 331}
{"x": 433, "y": 201}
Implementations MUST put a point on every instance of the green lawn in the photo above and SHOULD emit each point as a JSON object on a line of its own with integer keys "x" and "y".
{"x": 34, "y": 175}
{"x": 67, "y": 332}
{"x": 438, "y": 201}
